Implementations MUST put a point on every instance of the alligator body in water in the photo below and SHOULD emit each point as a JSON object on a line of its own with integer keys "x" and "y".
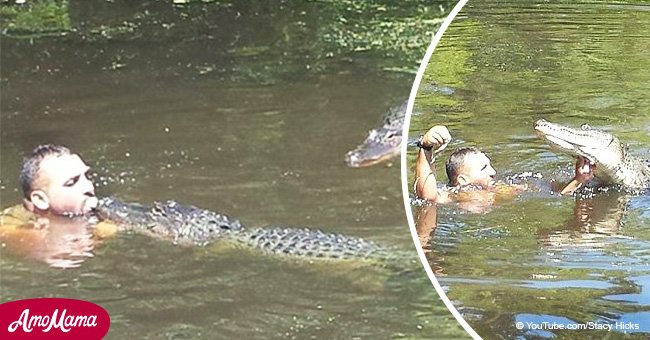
{"x": 189, "y": 225}
{"x": 384, "y": 142}
{"x": 613, "y": 162}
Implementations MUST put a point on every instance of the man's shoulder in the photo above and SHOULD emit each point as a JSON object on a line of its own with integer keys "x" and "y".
{"x": 18, "y": 218}
{"x": 105, "y": 229}
{"x": 16, "y": 215}
{"x": 478, "y": 193}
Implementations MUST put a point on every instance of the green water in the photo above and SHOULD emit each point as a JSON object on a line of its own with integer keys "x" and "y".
{"x": 246, "y": 108}
{"x": 539, "y": 257}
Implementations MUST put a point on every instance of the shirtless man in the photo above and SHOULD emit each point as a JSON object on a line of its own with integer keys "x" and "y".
{"x": 55, "y": 188}
{"x": 467, "y": 167}
{"x": 472, "y": 181}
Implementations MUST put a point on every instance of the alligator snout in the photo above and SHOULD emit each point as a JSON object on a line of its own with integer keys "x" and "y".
{"x": 382, "y": 143}
{"x": 541, "y": 124}
{"x": 600, "y": 152}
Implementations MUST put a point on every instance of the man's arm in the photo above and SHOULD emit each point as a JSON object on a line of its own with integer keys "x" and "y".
{"x": 433, "y": 141}
{"x": 425, "y": 225}
{"x": 584, "y": 172}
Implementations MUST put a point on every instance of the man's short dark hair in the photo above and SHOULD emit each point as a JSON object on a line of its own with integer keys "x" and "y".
{"x": 32, "y": 164}
{"x": 456, "y": 160}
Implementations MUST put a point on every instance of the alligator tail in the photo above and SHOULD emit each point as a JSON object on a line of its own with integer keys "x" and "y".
{"x": 308, "y": 243}
{"x": 311, "y": 244}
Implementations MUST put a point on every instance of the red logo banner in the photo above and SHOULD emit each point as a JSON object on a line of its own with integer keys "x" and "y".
{"x": 53, "y": 318}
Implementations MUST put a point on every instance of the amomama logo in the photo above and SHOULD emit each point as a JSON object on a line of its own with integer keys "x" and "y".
{"x": 53, "y": 318}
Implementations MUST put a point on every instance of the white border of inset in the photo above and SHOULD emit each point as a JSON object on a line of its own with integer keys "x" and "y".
{"x": 406, "y": 186}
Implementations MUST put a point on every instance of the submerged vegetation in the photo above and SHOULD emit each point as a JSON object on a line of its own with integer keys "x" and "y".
{"x": 296, "y": 37}
{"x": 37, "y": 19}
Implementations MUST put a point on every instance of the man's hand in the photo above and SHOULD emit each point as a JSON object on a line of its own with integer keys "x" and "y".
{"x": 437, "y": 138}
{"x": 584, "y": 170}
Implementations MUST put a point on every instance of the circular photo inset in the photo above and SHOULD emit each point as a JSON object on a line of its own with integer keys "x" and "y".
{"x": 526, "y": 169}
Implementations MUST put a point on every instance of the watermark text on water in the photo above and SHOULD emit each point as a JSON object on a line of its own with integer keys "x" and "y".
{"x": 551, "y": 326}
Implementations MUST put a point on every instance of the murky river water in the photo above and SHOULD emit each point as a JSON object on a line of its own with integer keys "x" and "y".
{"x": 539, "y": 257}
{"x": 176, "y": 116}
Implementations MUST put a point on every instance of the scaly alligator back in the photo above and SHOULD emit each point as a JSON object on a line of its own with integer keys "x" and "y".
{"x": 189, "y": 225}
{"x": 614, "y": 164}
{"x": 307, "y": 243}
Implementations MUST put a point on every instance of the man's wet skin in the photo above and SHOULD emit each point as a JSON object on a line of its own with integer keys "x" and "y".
{"x": 478, "y": 170}
{"x": 63, "y": 186}
{"x": 431, "y": 143}
{"x": 472, "y": 167}
{"x": 64, "y": 243}
{"x": 473, "y": 184}
{"x": 48, "y": 226}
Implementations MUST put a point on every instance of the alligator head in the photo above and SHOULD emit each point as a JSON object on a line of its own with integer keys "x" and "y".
{"x": 183, "y": 224}
{"x": 612, "y": 161}
{"x": 385, "y": 142}
{"x": 381, "y": 144}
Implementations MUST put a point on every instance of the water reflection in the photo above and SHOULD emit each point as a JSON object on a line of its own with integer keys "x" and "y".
{"x": 59, "y": 241}
{"x": 587, "y": 237}
{"x": 591, "y": 239}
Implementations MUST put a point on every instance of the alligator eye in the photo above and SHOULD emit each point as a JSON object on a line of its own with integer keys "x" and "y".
{"x": 585, "y": 127}
{"x": 157, "y": 209}
{"x": 219, "y": 225}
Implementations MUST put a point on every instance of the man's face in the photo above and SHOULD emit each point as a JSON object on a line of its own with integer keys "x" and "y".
{"x": 63, "y": 186}
{"x": 477, "y": 170}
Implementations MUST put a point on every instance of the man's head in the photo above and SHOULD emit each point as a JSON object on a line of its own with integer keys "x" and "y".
{"x": 470, "y": 166}
{"x": 54, "y": 180}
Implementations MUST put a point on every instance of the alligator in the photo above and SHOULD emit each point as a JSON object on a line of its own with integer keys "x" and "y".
{"x": 188, "y": 225}
{"x": 384, "y": 143}
{"x": 606, "y": 155}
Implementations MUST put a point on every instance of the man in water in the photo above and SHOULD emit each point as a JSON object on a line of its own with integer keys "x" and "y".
{"x": 55, "y": 188}
{"x": 468, "y": 168}
{"x": 472, "y": 181}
